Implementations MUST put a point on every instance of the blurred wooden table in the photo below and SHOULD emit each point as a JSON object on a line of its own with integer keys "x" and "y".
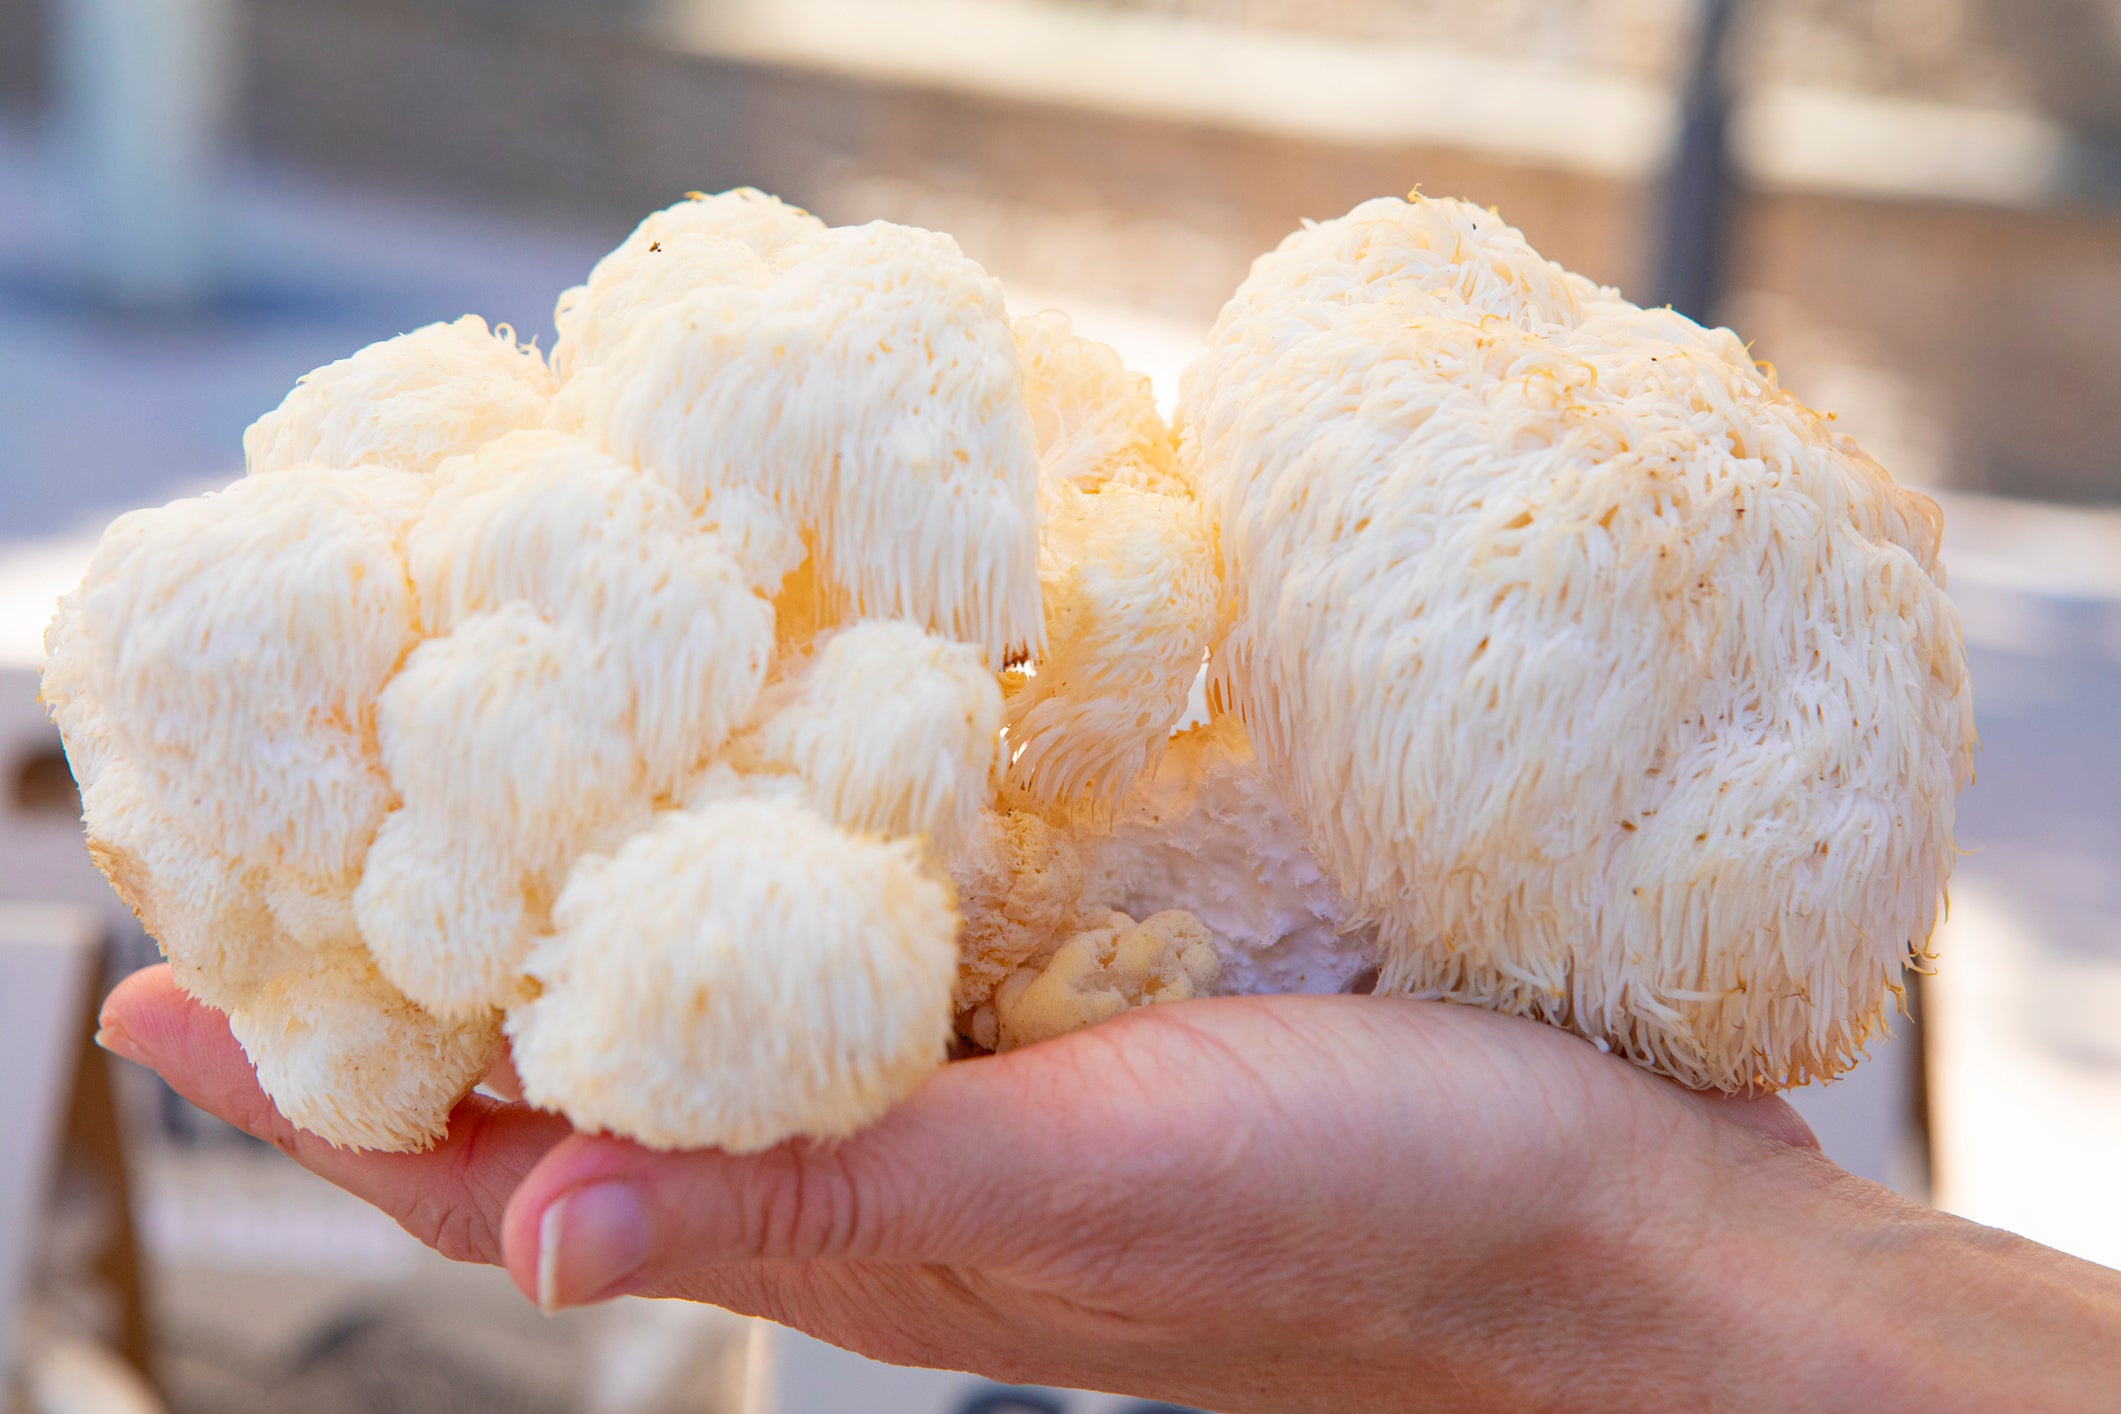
{"x": 57, "y": 1105}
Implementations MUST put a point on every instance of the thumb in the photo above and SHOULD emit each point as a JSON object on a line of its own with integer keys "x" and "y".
{"x": 966, "y": 1171}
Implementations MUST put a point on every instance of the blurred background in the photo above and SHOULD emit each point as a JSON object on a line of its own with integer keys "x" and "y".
{"x": 1911, "y": 207}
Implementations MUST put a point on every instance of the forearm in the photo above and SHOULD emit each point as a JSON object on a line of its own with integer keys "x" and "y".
{"x": 1770, "y": 1280}
{"x": 1933, "y": 1312}
{"x": 1798, "y": 1286}
{"x": 1693, "y": 1263}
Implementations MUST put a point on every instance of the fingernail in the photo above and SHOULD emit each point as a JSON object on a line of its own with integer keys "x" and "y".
{"x": 589, "y": 1241}
{"x": 113, "y": 1039}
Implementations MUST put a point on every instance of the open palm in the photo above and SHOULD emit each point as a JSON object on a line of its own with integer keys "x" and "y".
{"x": 1275, "y": 1203}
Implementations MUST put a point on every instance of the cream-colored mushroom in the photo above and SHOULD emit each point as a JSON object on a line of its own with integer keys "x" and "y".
{"x": 1130, "y": 588}
{"x": 1018, "y": 880}
{"x": 702, "y": 242}
{"x": 865, "y": 380}
{"x": 408, "y": 403}
{"x": 509, "y": 763}
{"x": 1210, "y": 834}
{"x": 348, "y": 1058}
{"x": 739, "y": 975}
{"x": 1610, "y": 683}
{"x": 1111, "y": 965}
{"x": 894, "y": 732}
{"x": 216, "y": 674}
{"x": 1127, "y": 571}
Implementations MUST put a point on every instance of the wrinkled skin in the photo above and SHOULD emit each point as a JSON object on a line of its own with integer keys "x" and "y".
{"x": 1287, "y": 1203}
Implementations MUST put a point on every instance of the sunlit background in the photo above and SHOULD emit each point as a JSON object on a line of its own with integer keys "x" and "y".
{"x": 1911, "y": 207}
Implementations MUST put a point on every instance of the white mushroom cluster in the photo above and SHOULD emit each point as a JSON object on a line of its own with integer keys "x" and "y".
{"x": 1613, "y": 686}
{"x": 780, "y": 680}
{"x": 628, "y": 705}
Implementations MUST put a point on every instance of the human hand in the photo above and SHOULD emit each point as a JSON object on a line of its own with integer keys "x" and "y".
{"x": 1246, "y": 1204}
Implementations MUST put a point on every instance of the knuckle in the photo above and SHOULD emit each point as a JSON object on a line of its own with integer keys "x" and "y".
{"x": 257, "y": 1116}
{"x": 448, "y": 1226}
{"x": 457, "y": 1216}
{"x": 809, "y": 1207}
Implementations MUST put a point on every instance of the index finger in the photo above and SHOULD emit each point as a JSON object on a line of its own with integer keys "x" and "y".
{"x": 451, "y": 1197}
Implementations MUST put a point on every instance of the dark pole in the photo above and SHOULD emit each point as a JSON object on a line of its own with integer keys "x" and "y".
{"x": 1700, "y": 183}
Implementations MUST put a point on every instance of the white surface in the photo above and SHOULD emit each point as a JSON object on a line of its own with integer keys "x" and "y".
{"x": 47, "y": 954}
{"x": 816, "y": 1378}
{"x": 663, "y": 1346}
{"x": 1874, "y": 146}
{"x": 33, "y": 574}
{"x": 1371, "y": 92}
{"x": 2034, "y": 579}
{"x": 1173, "y": 67}
{"x": 2054, "y": 551}
{"x": 2027, "y": 1067}
{"x": 66, "y": 1375}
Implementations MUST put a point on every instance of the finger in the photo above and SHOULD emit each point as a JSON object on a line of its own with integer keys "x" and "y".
{"x": 602, "y": 1215}
{"x": 978, "y": 1167}
{"x": 451, "y": 1197}
{"x": 1104, "y": 1140}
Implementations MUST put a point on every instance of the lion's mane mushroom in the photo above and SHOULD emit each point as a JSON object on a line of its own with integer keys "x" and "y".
{"x": 785, "y": 675}
{"x": 736, "y": 974}
{"x": 1611, "y": 683}
{"x": 651, "y": 690}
